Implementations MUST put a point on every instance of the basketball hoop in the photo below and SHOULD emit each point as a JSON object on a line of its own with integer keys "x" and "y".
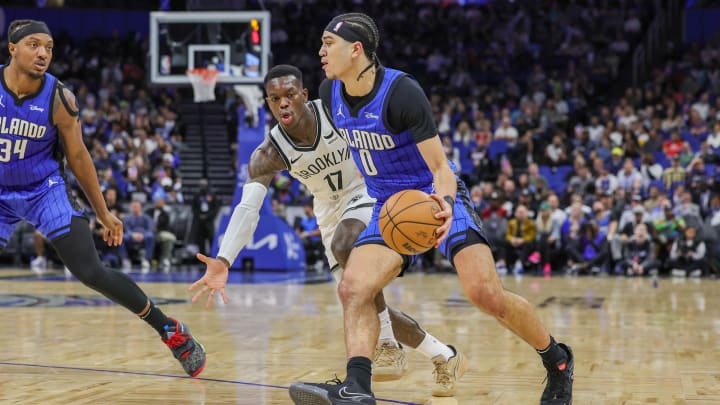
{"x": 203, "y": 82}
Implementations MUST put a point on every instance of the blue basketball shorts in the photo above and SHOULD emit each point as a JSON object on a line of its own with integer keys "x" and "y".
{"x": 466, "y": 228}
{"x": 49, "y": 207}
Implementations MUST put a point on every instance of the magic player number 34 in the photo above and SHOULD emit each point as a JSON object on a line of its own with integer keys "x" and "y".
{"x": 10, "y": 147}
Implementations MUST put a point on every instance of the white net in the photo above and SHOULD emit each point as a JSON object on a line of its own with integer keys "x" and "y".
{"x": 203, "y": 82}
{"x": 253, "y": 99}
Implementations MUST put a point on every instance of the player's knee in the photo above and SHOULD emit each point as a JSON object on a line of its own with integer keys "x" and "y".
{"x": 352, "y": 291}
{"x": 489, "y": 299}
{"x": 90, "y": 275}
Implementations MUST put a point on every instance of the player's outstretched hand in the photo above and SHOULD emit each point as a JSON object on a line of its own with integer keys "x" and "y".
{"x": 113, "y": 229}
{"x": 446, "y": 214}
{"x": 214, "y": 280}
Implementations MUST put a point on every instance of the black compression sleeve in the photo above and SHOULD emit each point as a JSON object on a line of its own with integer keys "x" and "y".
{"x": 77, "y": 251}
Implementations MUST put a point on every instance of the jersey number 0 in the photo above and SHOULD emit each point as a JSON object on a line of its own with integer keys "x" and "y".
{"x": 367, "y": 162}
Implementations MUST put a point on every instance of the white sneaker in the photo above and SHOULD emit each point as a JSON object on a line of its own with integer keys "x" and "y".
{"x": 166, "y": 265}
{"x": 145, "y": 266}
{"x": 448, "y": 372}
{"x": 390, "y": 362}
{"x": 126, "y": 265}
{"x": 38, "y": 265}
{"x": 678, "y": 273}
{"x": 518, "y": 268}
{"x": 695, "y": 273}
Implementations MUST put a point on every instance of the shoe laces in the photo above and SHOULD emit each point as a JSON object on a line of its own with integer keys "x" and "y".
{"x": 176, "y": 339}
{"x": 384, "y": 354}
{"x": 335, "y": 381}
{"x": 441, "y": 373}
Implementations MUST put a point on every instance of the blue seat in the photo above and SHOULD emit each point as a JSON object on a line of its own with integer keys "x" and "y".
{"x": 562, "y": 171}
{"x": 545, "y": 171}
{"x": 659, "y": 184}
{"x": 661, "y": 159}
{"x": 555, "y": 177}
{"x": 710, "y": 169}
{"x": 692, "y": 140}
{"x": 497, "y": 148}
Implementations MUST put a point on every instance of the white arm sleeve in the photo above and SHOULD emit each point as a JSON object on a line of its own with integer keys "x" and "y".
{"x": 243, "y": 222}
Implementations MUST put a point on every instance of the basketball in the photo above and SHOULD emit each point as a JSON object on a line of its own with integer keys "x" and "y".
{"x": 407, "y": 222}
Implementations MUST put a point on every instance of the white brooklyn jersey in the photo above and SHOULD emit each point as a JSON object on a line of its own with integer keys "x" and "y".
{"x": 326, "y": 167}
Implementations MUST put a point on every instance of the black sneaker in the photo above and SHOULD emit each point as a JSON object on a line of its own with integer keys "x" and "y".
{"x": 333, "y": 392}
{"x": 558, "y": 390}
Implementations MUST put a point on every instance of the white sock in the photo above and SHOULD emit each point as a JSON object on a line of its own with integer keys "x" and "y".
{"x": 386, "y": 330}
{"x": 431, "y": 347}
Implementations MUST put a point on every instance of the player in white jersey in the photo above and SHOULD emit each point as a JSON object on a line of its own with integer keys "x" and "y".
{"x": 326, "y": 168}
{"x": 306, "y": 143}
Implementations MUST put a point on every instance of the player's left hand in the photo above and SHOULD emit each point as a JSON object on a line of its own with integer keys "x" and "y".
{"x": 112, "y": 229}
{"x": 214, "y": 280}
{"x": 446, "y": 214}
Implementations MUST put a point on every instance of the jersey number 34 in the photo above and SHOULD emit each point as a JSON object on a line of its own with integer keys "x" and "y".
{"x": 10, "y": 147}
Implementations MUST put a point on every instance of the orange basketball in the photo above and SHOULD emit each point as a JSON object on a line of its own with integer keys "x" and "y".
{"x": 407, "y": 222}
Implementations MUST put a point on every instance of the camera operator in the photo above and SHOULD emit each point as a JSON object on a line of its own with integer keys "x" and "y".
{"x": 687, "y": 254}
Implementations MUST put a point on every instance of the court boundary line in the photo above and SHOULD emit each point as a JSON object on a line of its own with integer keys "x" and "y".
{"x": 184, "y": 377}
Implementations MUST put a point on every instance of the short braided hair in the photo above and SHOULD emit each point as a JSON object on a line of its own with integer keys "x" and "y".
{"x": 366, "y": 27}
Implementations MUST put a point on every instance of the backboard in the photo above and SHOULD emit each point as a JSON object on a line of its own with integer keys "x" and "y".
{"x": 236, "y": 42}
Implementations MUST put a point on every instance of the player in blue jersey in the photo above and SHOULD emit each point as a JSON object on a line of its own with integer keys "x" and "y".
{"x": 305, "y": 131}
{"x": 387, "y": 121}
{"x": 38, "y": 125}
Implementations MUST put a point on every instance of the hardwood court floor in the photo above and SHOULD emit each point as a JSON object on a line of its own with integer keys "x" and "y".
{"x": 634, "y": 344}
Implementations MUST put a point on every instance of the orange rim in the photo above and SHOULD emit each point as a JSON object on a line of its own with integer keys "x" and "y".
{"x": 208, "y": 75}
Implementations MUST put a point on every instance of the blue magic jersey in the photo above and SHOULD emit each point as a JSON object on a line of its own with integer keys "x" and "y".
{"x": 28, "y": 138}
{"x": 388, "y": 162}
{"x": 392, "y": 162}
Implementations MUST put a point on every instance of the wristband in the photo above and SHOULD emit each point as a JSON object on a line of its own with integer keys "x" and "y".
{"x": 449, "y": 200}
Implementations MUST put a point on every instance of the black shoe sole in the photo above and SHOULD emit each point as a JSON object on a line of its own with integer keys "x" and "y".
{"x": 303, "y": 394}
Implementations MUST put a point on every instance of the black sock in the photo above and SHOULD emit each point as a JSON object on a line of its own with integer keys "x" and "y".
{"x": 359, "y": 369}
{"x": 156, "y": 318}
{"x": 553, "y": 356}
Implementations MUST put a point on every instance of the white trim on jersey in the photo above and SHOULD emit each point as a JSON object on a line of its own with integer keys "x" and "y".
{"x": 326, "y": 168}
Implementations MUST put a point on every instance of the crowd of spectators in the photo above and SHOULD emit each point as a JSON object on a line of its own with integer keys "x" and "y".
{"x": 638, "y": 171}
{"x": 563, "y": 172}
{"x": 565, "y": 175}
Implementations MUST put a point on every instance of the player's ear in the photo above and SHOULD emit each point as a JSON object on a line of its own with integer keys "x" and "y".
{"x": 305, "y": 94}
{"x": 357, "y": 49}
